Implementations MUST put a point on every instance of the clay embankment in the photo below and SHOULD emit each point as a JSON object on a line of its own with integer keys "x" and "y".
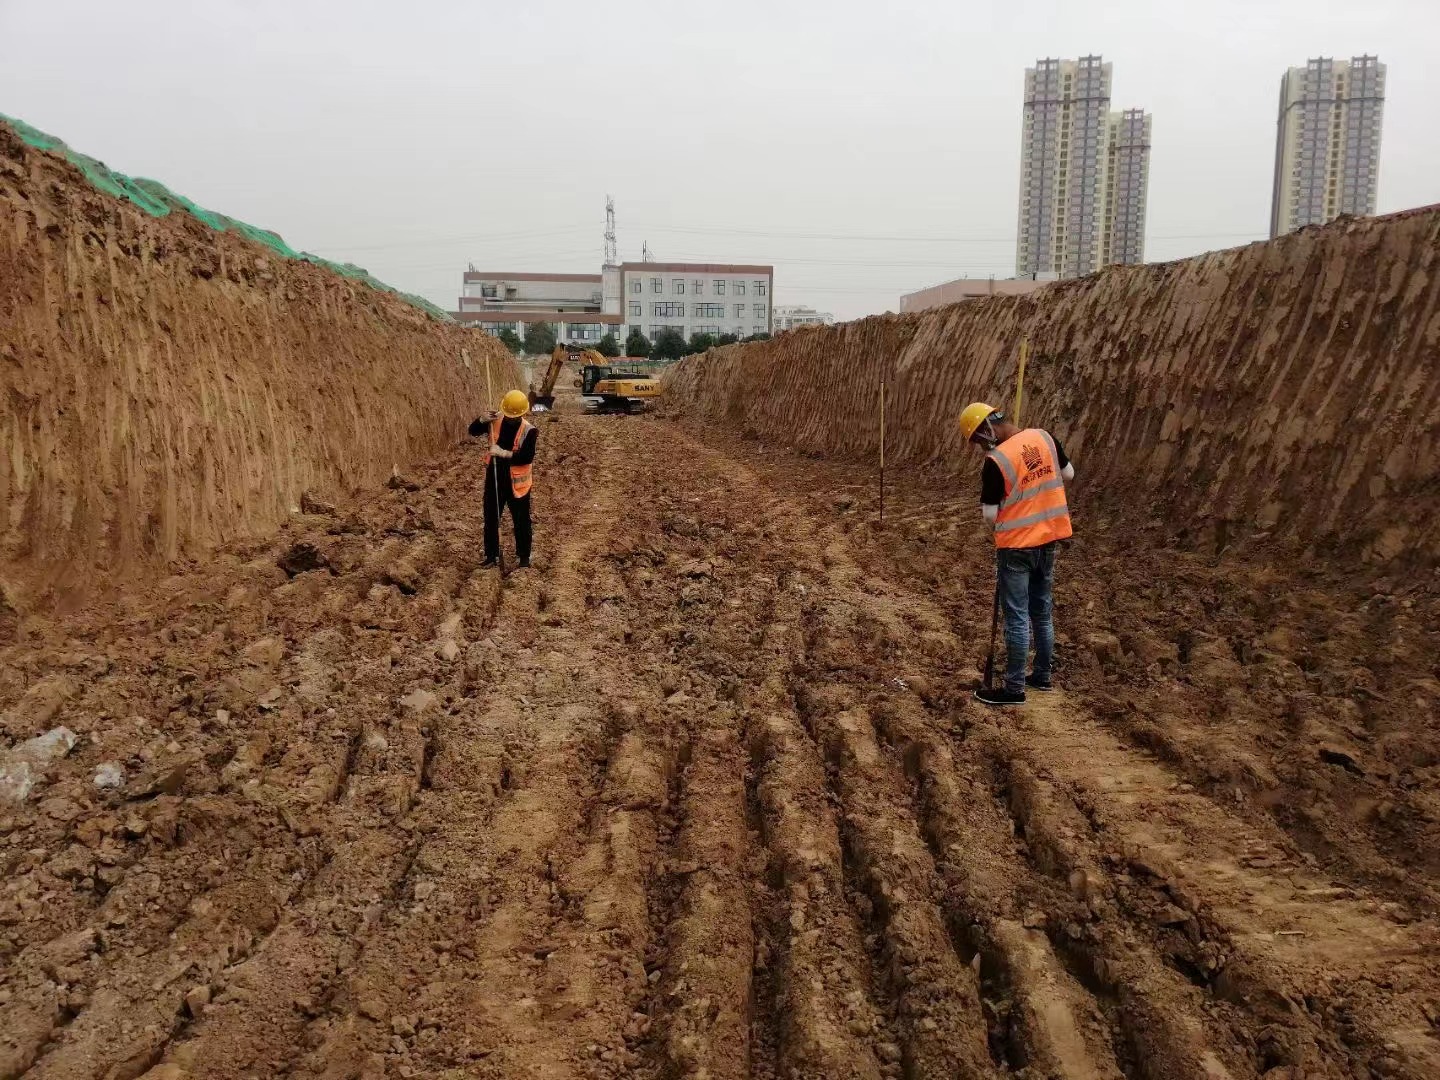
{"x": 164, "y": 386}
{"x": 1287, "y": 388}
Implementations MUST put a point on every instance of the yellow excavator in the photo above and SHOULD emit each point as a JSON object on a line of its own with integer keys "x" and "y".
{"x": 604, "y": 388}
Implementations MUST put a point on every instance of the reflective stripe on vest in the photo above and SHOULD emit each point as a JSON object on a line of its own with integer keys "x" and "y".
{"x": 521, "y": 476}
{"x": 1034, "y": 511}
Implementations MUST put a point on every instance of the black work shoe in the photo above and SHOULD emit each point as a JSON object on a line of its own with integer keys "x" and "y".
{"x": 1037, "y": 683}
{"x": 523, "y": 564}
{"x": 998, "y": 695}
{"x": 488, "y": 563}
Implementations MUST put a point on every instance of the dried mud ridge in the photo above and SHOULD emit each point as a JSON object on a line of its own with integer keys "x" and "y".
{"x": 701, "y": 796}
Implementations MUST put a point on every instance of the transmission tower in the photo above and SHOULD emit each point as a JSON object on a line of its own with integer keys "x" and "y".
{"x": 612, "y": 252}
{"x": 645, "y": 255}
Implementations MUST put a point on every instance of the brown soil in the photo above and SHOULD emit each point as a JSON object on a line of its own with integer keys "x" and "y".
{"x": 704, "y": 794}
{"x": 165, "y": 387}
{"x": 1280, "y": 397}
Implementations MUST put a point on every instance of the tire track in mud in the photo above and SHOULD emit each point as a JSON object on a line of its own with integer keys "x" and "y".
{"x": 479, "y": 967}
{"x": 145, "y": 1000}
{"x": 260, "y": 1017}
{"x": 1165, "y": 1028}
{"x": 703, "y": 797}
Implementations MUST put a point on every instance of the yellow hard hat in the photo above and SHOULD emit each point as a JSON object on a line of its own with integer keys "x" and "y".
{"x": 515, "y": 403}
{"x": 975, "y": 414}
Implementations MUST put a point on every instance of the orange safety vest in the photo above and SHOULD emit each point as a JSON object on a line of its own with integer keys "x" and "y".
{"x": 1034, "y": 511}
{"x": 521, "y": 476}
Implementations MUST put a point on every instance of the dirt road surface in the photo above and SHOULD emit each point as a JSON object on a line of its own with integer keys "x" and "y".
{"x": 704, "y": 795}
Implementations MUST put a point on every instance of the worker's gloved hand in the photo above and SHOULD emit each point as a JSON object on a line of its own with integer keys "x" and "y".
{"x": 499, "y": 451}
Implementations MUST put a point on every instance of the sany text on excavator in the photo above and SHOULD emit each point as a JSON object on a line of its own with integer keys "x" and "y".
{"x": 604, "y": 388}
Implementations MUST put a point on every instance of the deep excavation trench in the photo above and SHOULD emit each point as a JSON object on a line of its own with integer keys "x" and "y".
{"x": 704, "y": 795}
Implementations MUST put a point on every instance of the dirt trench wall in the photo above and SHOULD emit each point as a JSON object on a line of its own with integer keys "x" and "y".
{"x": 1288, "y": 391}
{"x": 164, "y": 386}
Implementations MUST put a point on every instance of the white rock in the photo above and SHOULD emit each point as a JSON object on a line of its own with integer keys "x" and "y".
{"x": 43, "y": 749}
{"x": 109, "y": 774}
{"x": 16, "y": 781}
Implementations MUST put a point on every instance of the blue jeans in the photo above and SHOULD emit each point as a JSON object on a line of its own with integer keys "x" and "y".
{"x": 1026, "y": 576}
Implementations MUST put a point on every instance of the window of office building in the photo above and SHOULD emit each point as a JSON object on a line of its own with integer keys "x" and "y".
{"x": 697, "y": 286}
{"x": 656, "y": 285}
{"x": 739, "y": 311}
{"x": 679, "y": 287}
{"x": 636, "y": 285}
{"x": 669, "y": 309}
{"x": 739, "y": 288}
{"x": 635, "y": 307}
{"x": 759, "y": 311}
{"x": 719, "y": 288}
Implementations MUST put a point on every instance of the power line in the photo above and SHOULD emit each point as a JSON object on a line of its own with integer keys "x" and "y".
{"x": 995, "y": 239}
{"x": 456, "y": 239}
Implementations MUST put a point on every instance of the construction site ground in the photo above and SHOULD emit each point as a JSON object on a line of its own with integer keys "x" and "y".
{"x": 704, "y": 794}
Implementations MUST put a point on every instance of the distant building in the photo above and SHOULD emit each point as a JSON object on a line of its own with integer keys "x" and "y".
{"x": 1327, "y": 145}
{"x": 696, "y": 298}
{"x": 953, "y": 292}
{"x": 1074, "y": 217}
{"x": 692, "y": 298}
{"x": 789, "y": 316}
{"x": 1127, "y": 178}
{"x": 512, "y": 301}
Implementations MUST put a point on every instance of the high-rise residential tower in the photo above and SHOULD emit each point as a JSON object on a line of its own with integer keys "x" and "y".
{"x": 1075, "y": 216}
{"x": 1127, "y": 177}
{"x": 1327, "y": 145}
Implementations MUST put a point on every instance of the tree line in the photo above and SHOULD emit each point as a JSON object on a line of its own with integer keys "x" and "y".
{"x": 541, "y": 339}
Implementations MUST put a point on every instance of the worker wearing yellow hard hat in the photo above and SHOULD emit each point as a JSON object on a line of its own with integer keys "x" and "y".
{"x": 509, "y": 474}
{"x": 1022, "y": 496}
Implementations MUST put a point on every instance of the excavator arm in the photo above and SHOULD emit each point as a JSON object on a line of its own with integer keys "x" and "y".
{"x": 546, "y": 394}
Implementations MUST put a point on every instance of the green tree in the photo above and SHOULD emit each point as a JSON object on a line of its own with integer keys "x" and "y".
{"x": 540, "y": 338}
{"x": 637, "y": 344}
{"x": 510, "y": 340}
{"x": 669, "y": 345}
{"x": 727, "y": 339}
{"x": 607, "y": 346}
{"x": 701, "y": 342}
{"x": 758, "y": 337}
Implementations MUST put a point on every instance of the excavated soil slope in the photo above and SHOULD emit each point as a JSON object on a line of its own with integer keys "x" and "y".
{"x": 164, "y": 386}
{"x": 1289, "y": 388}
{"x": 704, "y": 795}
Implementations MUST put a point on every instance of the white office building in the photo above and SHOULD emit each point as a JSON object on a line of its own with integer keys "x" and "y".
{"x": 696, "y": 298}
{"x": 692, "y": 298}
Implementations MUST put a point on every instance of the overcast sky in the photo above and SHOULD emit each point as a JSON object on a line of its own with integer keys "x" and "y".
{"x": 865, "y": 149}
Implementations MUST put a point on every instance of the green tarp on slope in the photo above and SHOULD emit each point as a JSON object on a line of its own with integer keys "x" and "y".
{"x": 157, "y": 200}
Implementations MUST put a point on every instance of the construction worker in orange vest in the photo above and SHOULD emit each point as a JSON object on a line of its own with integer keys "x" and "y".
{"x": 509, "y": 473}
{"x": 1022, "y": 495}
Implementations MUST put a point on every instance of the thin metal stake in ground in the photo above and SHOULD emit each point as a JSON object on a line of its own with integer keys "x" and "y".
{"x": 492, "y": 464}
{"x": 882, "y": 450}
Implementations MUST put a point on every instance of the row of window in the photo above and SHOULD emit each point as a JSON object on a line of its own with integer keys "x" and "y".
{"x": 716, "y": 331}
{"x": 697, "y": 286}
{"x": 676, "y": 310}
{"x": 588, "y": 331}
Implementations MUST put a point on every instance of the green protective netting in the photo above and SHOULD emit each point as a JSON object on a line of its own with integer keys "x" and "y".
{"x": 157, "y": 200}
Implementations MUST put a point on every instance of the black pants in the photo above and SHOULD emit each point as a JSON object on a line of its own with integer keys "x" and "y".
{"x": 519, "y": 514}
